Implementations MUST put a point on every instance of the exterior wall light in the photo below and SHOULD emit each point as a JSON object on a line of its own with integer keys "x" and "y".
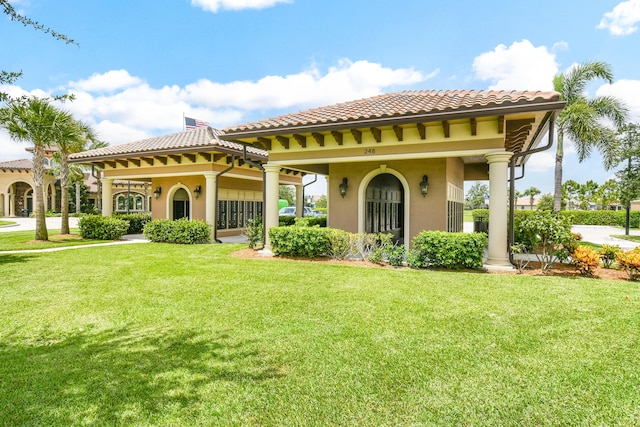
{"x": 343, "y": 187}
{"x": 424, "y": 185}
{"x": 197, "y": 191}
{"x": 157, "y": 192}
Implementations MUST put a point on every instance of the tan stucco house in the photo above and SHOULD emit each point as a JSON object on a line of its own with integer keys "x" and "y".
{"x": 394, "y": 163}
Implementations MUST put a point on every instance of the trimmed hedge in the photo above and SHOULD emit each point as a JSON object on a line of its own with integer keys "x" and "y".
{"x": 311, "y": 221}
{"x": 182, "y": 231}
{"x": 136, "y": 221}
{"x": 603, "y": 217}
{"x": 102, "y": 228}
{"x": 440, "y": 249}
{"x": 309, "y": 242}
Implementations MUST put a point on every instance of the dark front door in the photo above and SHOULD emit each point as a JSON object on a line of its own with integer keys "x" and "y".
{"x": 385, "y": 206}
{"x": 181, "y": 204}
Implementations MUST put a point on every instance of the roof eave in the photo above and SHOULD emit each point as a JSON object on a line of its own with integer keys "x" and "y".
{"x": 397, "y": 120}
{"x": 165, "y": 152}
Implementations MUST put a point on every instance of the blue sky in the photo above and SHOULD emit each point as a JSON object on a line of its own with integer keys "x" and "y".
{"x": 141, "y": 64}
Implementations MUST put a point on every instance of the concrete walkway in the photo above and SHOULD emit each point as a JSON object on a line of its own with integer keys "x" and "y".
{"x": 53, "y": 223}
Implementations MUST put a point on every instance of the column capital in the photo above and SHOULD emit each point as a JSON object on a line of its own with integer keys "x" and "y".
{"x": 106, "y": 179}
{"x": 498, "y": 157}
{"x": 210, "y": 174}
{"x": 272, "y": 167}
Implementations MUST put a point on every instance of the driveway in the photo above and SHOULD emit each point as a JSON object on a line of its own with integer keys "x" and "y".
{"x": 22, "y": 224}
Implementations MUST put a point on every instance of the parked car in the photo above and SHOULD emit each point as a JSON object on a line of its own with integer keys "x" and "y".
{"x": 291, "y": 211}
{"x": 318, "y": 213}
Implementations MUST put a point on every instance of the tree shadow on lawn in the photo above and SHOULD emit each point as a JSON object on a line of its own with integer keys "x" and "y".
{"x": 122, "y": 376}
{"x": 11, "y": 258}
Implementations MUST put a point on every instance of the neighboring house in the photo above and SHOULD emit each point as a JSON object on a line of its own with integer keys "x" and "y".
{"x": 524, "y": 204}
{"x": 395, "y": 163}
{"x": 16, "y": 187}
{"x": 16, "y": 190}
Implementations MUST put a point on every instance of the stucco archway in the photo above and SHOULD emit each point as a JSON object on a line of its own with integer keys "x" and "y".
{"x": 185, "y": 197}
{"x": 362, "y": 198}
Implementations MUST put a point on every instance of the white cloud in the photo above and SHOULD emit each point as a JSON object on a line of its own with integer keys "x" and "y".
{"x": 542, "y": 162}
{"x": 626, "y": 90}
{"x": 345, "y": 81}
{"x": 125, "y": 108}
{"x": 107, "y": 82}
{"x": 215, "y": 5}
{"x": 623, "y": 19}
{"x": 520, "y": 66}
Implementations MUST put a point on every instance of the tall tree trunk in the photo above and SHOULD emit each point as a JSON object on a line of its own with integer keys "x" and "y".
{"x": 38, "y": 181}
{"x": 78, "y": 210}
{"x": 557, "y": 185}
{"x": 64, "y": 193}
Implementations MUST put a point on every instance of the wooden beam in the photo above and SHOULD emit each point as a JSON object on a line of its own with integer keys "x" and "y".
{"x": 377, "y": 134}
{"x": 176, "y": 158}
{"x": 474, "y": 126}
{"x": 399, "y": 132}
{"x": 240, "y": 162}
{"x": 147, "y": 160}
{"x": 446, "y": 128}
{"x": 111, "y": 164}
{"x": 319, "y": 138}
{"x": 229, "y": 159}
{"x": 500, "y": 124}
{"x": 422, "y": 130}
{"x": 162, "y": 160}
{"x": 284, "y": 141}
{"x": 301, "y": 139}
{"x": 218, "y": 156}
{"x": 338, "y": 136}
{"x": 357, "y": 135}
{"x": 123, "y": 163}
{"x": 265, "y": 142}
{"x": 100, "y": 165}
{"x": 206, "y": 157}
{"x": 135, "y": 162}
{"x": 191, "y": 157}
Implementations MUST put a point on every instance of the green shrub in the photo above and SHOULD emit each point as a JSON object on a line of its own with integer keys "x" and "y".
{"x": 254, "y": 232}
{"x": 339, "y": 243}
{"x": 480, "y": 214}
{"x": 448, "y": 250}
{"x": 136, "y": 221}
{"x": 395, "y": 255}
{"x": 309, "y": 221}
{"x": 546, "y": 233}
{"x": 102, "y": 228}
{"x": 608, "y": 254}
{"x": 182, "y": 231}
{"x": 603, "y": 217}
{"x": 308, "y": 242}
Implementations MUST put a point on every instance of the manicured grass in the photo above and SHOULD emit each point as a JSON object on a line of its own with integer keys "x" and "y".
{"x": 631, "y": 238}
{"x": 6, "y": 223}
{"x": 23, "y": 240}
{"x": 171, "y": 335}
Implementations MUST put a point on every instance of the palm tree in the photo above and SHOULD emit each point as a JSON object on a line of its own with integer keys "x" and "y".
{"x": 34, "y": 120}
{"x": 74, "y": 136}
{"x": 580, "y": 119}
{"x": 532, "y": 192}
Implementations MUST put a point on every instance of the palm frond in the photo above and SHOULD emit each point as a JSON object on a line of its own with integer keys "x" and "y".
{"x": 576, "y": 79}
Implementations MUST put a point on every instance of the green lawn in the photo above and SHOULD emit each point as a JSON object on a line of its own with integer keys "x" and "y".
{"x": 631, "y": 238}
{"x": 171, "y": 335}
{"x": 23, "y": 240}
{"x": 3, "y": 222}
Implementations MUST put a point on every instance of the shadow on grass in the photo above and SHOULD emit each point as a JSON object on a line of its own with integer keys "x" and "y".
{"x": 121, "y": 377}
{"x": 11, "y": 258}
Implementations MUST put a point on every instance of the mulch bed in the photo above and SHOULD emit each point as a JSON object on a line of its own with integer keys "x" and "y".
{"x": 533, "y": 269}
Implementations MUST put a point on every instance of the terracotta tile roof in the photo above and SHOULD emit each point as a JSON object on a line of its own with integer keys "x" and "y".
{"x": 400, "y": 104}
{"x": 22, "y": 164}
{"x": 203, "y": 138}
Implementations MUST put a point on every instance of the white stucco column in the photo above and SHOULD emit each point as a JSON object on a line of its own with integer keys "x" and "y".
{"x": 107, "y": 196}
{"x": 299, "y": 201}
{"x": 211, "y": 203}
{"x": 498, "y": 209}
{"x": 272, "y": 194}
